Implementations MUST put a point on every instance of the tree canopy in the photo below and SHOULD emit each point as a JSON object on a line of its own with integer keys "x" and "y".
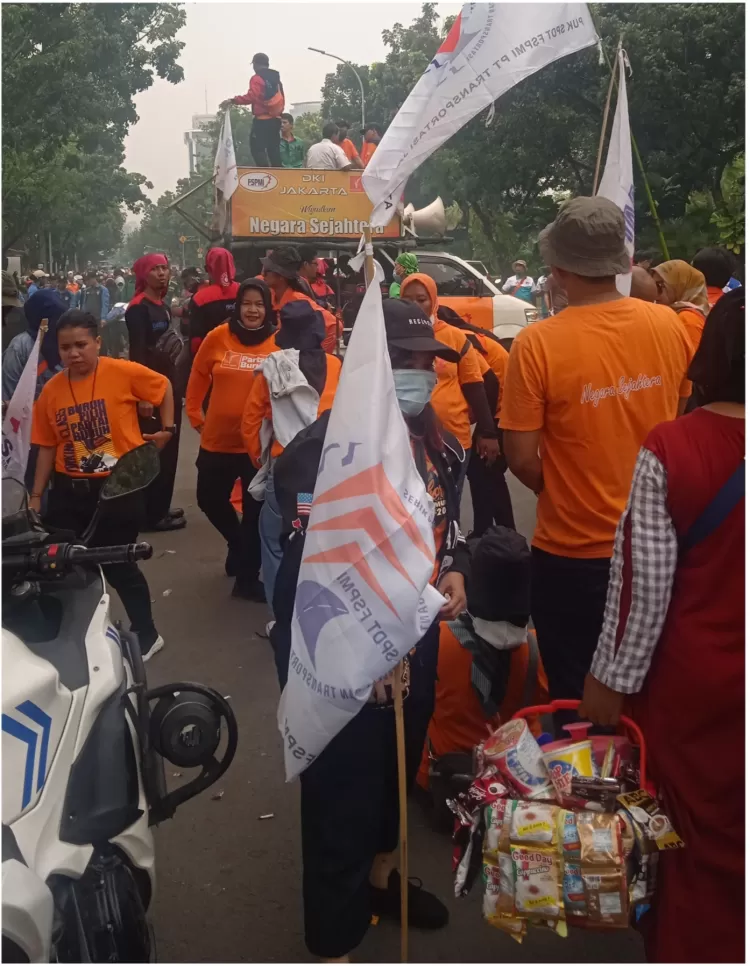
{"x": 70, "y": 73}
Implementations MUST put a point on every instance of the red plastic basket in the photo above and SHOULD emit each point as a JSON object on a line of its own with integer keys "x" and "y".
{"x": 634, "y": 732}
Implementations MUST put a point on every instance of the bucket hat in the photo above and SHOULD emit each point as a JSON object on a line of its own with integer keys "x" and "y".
{"x": 587, "y": 238}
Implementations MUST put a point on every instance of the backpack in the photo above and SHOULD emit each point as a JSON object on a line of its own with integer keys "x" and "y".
{"x": 273, "y": 92}
{"x": 173, "y": 355}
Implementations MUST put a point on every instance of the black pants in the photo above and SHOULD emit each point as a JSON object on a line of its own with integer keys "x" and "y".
{"x": 490, "y": 497}
{"x": 72, "y": 509}
{"x": 159, "y": 493}
{"x": 216, "y": 475}
{"x": 568, "y": 597}
{"x": 264, "y": 142}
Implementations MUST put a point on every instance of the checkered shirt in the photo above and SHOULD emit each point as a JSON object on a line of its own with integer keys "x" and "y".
{"x": 628, "y": 638}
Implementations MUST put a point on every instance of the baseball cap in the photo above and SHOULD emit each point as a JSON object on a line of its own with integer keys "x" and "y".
{"x": 10, "y": 291}
{"x": 407, "y": 327}
{"x": 283, "y": 261}
{"x": 587, "y": 238}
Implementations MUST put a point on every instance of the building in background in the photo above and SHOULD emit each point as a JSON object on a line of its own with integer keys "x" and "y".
{"x": 304, "y": 107}
{"x": 199, "y": 143}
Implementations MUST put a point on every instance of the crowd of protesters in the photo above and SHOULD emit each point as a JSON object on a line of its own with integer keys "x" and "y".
{"x": 633, "y": 584}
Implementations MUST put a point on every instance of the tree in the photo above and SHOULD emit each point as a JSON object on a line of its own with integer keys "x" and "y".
{"x": 70, "y": 72}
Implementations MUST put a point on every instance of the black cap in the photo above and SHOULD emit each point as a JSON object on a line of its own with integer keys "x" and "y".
{"x": 407, "y": 327}
{"x": 283, "y": 261}
{"x": 499, "y": 587}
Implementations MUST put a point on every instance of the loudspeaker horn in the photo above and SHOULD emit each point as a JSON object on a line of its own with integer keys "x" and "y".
{"x": 426, "y": 221}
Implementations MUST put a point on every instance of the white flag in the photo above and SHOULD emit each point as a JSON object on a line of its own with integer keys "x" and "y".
{"x": 17, "y": 421}
{"x": 363, "y": 594}
{"x": 226, "y": 178}
{"x": 617, "y": 181}
{"x": 490, "y": 48}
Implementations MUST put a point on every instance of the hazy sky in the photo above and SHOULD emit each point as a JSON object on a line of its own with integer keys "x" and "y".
{"x": 220, "y": 40}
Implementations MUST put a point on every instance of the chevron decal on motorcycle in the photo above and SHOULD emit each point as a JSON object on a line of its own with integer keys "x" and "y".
{"x": 21, "y": 731}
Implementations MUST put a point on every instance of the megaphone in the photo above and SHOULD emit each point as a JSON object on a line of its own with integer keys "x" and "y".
{"x": 426, "y": 221}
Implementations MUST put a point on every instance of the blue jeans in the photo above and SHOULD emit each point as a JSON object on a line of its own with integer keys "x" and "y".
{"x": 269, "y": 525}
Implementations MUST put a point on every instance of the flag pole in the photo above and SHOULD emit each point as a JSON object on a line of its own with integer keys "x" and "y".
{"x": 600, "y": 152}
{"x": 398, "y": 706}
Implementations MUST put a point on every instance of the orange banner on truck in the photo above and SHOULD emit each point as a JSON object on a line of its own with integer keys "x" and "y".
{"x": 303, "y": 203}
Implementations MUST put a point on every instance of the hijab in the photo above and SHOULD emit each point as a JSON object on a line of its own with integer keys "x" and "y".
{"x": 252, "y": 336}
{"x": 45, "y": 304}
{"x": 687, "y": 285}
{"x": 429, "y": 284}
{"x": 408, "y": 261}
{"x": 143, "y": 265}
{"x": 220, "y": 267}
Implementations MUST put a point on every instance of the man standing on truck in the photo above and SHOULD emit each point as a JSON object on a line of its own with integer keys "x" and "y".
{"x": 346, "y": 144}
{"x": 372, "y": 134}
{"x": 292, "y": 149}
{"x": 265, "y": 94}
{"x": 328, "y": 154}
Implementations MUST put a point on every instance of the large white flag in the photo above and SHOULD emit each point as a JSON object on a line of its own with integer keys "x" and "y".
{"x": 226, "y": 178}
{"x": 490, "y": 48}
{"x": 363, "y": 594}
{"x": 17, "y": 420}
{"x": 617, "y": 181}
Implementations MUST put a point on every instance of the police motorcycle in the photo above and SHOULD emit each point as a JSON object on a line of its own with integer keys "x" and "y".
{"x": 84, "y": 742}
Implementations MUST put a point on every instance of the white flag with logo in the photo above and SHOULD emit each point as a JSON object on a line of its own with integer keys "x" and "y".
{"x": 363, "y": 595}
{"x": 617, "y": 181}
{"x": 17, "y": 420}
{"x": 226, "y": 178}
{"x": 490, "y": 48}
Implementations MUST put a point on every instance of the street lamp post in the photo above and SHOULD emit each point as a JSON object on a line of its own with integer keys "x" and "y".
{"x": 354, "y": 71}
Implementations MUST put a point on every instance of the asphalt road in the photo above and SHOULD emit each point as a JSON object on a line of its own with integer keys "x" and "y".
{"x": 229, "y": 883}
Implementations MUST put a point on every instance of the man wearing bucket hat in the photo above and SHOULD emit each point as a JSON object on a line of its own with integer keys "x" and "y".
{"x": 584, "y": 388}
{"x": 281, "y": 268}
{"x": 521, "y": 284}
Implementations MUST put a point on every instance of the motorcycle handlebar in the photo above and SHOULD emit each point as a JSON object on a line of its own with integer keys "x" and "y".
{"x": 57, "y": 558}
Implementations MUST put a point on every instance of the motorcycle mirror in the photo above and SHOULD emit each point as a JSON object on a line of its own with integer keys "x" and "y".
{"x": 132, "y": 472}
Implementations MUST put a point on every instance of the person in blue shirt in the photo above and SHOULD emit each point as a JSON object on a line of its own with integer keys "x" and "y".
{"x": 521, "y": 284}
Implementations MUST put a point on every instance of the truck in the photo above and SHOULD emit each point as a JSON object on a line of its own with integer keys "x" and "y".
{"x": 328, "y": 210}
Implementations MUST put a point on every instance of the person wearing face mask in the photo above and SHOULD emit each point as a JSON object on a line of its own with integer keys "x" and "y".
{"x": 460, "y": 397}
{"x": 292, "y": 388}
{"x": 155, "y": 344}
{"x": 349, "y": 802}
{"x": 226, "y": 363}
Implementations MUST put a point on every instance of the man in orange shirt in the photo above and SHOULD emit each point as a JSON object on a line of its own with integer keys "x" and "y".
{"x": 347, "y": 145}
{"x": 582, "y": 391}
{"x": 281, "y": 271}
{"x": 372, "y": 134}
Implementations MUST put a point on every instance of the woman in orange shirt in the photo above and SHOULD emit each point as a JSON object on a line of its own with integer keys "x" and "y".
{"x": 226, "y": 363}
{"x": 459, "y": 398}
{"x": 281, "y": 269}
{"x": 684, "y": 289}
{"x": 85, "y": 419}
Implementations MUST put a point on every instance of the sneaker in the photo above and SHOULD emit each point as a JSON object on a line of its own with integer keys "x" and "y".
{"x": 426, "y": 911}
{"x": 265, "y": 634}
{"x": 254, "y": 591}
{"x": 148, "y": 653}
{"x": 167, "y": 523}
{"x": 175, "y": 513}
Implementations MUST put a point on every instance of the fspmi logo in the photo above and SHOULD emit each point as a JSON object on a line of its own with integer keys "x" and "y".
{"x": 258, "y": 181}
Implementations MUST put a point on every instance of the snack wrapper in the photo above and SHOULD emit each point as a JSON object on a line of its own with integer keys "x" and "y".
{"x": 563, "y": 764}
{"x": 537, "y": 876}
{"x": 600, "y": 839}
{"x": 534, "y": 823}
{"x": 574, "y": 896}
{"x": 570, "y": 841}
{"x": 497, "y": 818}
{"x": 487, "y": 788}
{"x": 517, "y": 756}
{"x": 606, "y": 898}
{"x": 648, "y": 815}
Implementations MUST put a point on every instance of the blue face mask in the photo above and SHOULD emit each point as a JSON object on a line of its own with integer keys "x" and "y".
{"x": 413, "y": 389}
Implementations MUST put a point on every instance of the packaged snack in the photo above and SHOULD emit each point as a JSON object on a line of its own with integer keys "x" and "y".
{"x": 487, "y": 788}
{"x": 606, "y": 898}
{"x": 627, "y": 833}
{"x": 574, "y": 897}
{"x": 497, "y": 819}
{"x": 570, "y": 841}
{"x": 505, "y": 900}
{"x": 599, "y": 794}
{"x": 514, "y": 751}
{"x": 600, "y": 839}
{"x": 512, "y": 925}
{"x": 563, "y": 763}
{"x": 491, "y": 881}
{"x": 534, "y": 823}
{"x": 649, "y": 816}
{"x": 537, "y": 877}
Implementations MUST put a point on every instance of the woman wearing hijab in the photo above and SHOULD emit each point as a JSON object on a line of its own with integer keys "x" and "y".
{"x": 226, "y": 363}
{"x": 460, "y": 397}
{"x": 294, "y": 386}
{"x": 406, "y": 265}
{"x": 213, "y": 304}
{"x": 155, "y": 344}
{"x": 44, "y": 304}
{"x": 684, "y": 289}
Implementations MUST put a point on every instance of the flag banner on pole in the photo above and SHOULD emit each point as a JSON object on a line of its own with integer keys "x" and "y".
{"x": 363, "y": 596}
{"x": 617, "y": 181}
{"x": 17, "y": 421}
{"x": 490, "y": 48}
{"x": 226, "y": 179}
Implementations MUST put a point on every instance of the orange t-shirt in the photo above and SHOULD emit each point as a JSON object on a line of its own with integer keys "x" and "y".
{"x": 347, "y": 146}
{"x": 96, "y": 423}
{"x": 227, "y": 367}
{"x": 497, "y": 357}
{"x": 694, "y": 321}
{"x": 447, "y": 398}
{"x": 331, "y": 322}
{"x": 258, "y": 408}
{"x": 714, "y": 294}
{"x": 595, "y": 379}
{"x": 368, "y": 149}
